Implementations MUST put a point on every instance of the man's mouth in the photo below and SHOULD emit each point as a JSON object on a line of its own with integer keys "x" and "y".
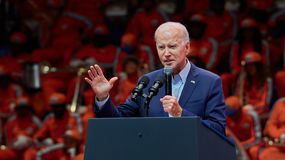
{"x": 168, "y": 62}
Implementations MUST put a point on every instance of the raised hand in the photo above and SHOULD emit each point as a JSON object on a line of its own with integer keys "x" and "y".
{"x": 100, "y": 85}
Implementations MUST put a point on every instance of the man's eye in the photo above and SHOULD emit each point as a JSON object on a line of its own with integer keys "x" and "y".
{"x": 160, "y": 47}
{"x": 173, "y": 47}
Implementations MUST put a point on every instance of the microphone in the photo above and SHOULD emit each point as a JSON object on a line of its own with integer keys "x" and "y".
{"x": 154, "y": 88}
{"x": 168, "y": 80}
{"x": 152, "y": 92}
{"x": 137, "y": 91}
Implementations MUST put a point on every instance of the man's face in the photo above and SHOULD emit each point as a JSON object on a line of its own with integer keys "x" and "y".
{"x": 172, "y": 49}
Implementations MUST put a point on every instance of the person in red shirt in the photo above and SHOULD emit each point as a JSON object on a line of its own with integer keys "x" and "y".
{"x": 206, "y": 48}
{"x": 128, "y": 78}
{"x": 219, "y": 22}
{"x": 69, "y": 149}
{"x": 243, "y": 122}
{"x": 260, "y": 10}
{"x": 9, "y": 92}
{"x": 276, "y": 37}
{"x": 58, "y": 122}
{"x": 99, "y": 50}
{"x": 130, "y": 47}
{"x": 12, "y": 60}
{"x": 55, "y": 125}
{"x": 249, "y": 39}
{"x": 275, "y": 130}
{"x": 144, "y": 23}
{"x": 254, "y": 87}
{"x": 19, "y": 130}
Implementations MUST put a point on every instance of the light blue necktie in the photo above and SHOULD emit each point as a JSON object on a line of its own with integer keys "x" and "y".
{"x": 176, "y": 86}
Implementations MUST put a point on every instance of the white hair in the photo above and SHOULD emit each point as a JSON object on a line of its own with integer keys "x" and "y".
{"x": 178, "y": 26}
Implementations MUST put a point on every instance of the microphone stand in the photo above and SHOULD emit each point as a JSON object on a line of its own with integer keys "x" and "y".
{"x": 146, "y": 106}
{"x": 152, "y": 92}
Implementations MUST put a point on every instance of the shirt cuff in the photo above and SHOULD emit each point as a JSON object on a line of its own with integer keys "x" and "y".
{"x": 100, "y": 104}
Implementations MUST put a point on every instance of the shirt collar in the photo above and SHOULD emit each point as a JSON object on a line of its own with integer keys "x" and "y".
{"x": 184, "y": 72}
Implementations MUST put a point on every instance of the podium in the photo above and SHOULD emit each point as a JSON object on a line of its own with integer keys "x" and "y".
{"x": 185, "y": 138}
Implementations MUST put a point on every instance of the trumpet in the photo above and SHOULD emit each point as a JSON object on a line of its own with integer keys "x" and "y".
{"x": 45, "y": 69}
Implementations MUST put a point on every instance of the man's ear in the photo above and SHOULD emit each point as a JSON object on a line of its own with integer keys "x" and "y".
{"x": 187, "y": 47}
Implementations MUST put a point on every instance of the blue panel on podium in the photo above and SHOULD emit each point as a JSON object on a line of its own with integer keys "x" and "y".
{"x": 154, "y": 139}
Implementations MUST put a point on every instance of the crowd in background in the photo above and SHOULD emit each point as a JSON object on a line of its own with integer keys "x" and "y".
{"x": 46, "y": 46}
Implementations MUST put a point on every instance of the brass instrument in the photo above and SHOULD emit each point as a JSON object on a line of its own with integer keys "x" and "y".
{"x": 74, "y": 102}
{"x": 45, "y": 69}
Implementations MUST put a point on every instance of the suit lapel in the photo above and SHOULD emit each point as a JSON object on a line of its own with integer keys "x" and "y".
{"x": 191, "y": 83}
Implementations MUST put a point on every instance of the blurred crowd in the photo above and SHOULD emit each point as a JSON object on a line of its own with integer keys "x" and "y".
{"x": 46, "y": 46}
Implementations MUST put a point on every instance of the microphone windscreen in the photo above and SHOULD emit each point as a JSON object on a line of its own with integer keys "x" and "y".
{"x": 144, "y": 80}
{"x": 168, "y": 70}
{"x": 168, "y": 80}
{"x": 160, "y": 80}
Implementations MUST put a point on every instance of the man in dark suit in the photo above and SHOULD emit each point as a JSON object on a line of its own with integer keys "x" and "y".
{"x": 196, "y": 92}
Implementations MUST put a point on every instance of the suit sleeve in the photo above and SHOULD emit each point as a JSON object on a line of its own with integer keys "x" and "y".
{"x": 128, "y": 109}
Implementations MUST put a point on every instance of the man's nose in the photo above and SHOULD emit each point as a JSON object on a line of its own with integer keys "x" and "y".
{"x": 167, "y": 52}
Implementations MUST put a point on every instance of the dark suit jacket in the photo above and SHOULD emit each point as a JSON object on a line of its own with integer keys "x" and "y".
{"x": 201, "y": 96}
